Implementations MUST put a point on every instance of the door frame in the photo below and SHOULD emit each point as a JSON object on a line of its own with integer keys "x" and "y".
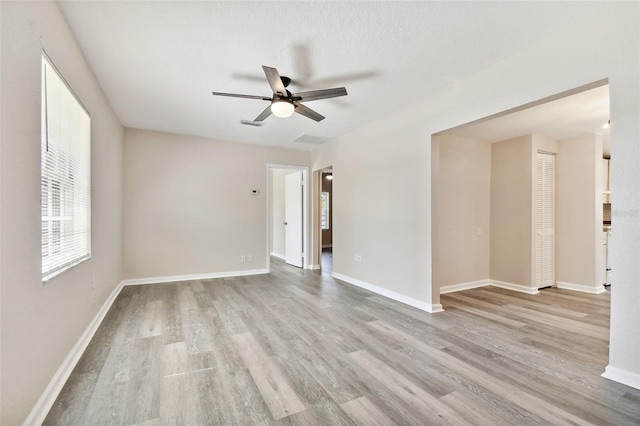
{"x": 317, "y": 225}
{"x": 305, "y": 212}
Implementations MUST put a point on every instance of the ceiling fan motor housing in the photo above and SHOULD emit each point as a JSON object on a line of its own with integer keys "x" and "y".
{"x": 283, "y": 102}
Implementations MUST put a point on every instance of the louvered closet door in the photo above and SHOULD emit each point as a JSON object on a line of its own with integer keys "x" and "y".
{"x": 544, "y": 220}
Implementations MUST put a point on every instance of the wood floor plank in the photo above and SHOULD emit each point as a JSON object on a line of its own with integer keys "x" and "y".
{"x": 332, "y": 380}
{"x": 546, "y": 410}
{"x": 472, "y": 409}
{"x": 415, "y": 397}
{"x": 151, "y": 324}
{"x": 274, "y": 388}
{"x": 175, "y": 359}
{"x": 547, "y": 387}
{"x": 186, "y": 298}
{"x": 178, "y": 403}
{"x": 364, "y": 413}
{"x": 486, "y": 314}
{"x": 319, "y": 406}
{"x": 142, "y": 392}
{"x": 297, "y": 347}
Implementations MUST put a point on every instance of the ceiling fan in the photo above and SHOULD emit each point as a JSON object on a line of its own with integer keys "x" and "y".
{"x": 283, "y": 102}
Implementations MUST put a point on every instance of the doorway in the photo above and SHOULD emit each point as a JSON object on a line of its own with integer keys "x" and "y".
{"x": 326, "y": 220}
{"x": 287, "y": 215}
{"x": 484, "y": 197}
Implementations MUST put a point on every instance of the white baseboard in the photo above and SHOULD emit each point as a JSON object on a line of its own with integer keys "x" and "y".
{"x": 622, "y": 376}
{"x": 464, "y": 286}
{"x": 514, "y": 287}
{"x": 583, "y": 288}
{"x": 278, "y": 255}
{"x": 390, "y": 294}
{"x": 314, "y": 267}
{"x": 178, "y": 278}
{"x": 48, "y": 397}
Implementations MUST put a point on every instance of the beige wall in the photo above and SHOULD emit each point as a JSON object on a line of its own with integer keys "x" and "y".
{"x": 42, "y": 322}
{"x": 187, "y": 204}
{"x": 464, "y": 204}
{"x": 379, "y": 205}
{"x": 579, "y": 211}
{"x": 511, "y": 202}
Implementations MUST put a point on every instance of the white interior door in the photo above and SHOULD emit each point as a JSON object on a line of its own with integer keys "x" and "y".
{"x": 293, "y": 218}
{"x": 544, "y": 220}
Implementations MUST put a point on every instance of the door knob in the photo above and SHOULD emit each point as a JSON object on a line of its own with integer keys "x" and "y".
{"x": 286, "y": 223}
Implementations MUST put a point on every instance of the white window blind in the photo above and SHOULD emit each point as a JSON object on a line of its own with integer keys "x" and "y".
{"x": 65, "y": 180}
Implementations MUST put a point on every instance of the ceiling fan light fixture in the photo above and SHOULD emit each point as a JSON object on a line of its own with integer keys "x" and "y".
{"x": 282, "y": 108}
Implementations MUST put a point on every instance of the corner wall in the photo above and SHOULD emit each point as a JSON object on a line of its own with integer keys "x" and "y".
{"x": 579, "y": 212}
{"x": 41, "y": 323}
{"x": 464, "y": 215}
{"x": 511, "y": 207}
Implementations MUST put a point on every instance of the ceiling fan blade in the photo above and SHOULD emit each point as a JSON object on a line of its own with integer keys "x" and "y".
{"x": 314, "y": 95}
{"x": 274, "y": 80}
{"x": 264, "y": 114}
{"x": 236, "y": 95}
{"x": 252, "y": 123}
{"x": 307, "y": 112}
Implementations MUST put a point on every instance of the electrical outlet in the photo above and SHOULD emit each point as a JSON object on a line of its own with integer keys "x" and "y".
{"x": 357, "y": 257}
{"x": 242, "y": 258}
{"x": 250, "y": 258}
{"x": 479, "y": 232}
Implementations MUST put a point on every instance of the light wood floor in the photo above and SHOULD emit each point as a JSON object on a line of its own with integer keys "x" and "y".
{"x": 297, "y": 347}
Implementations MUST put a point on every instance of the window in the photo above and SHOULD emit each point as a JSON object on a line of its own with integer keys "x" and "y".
{"x": 65, "y": 180}
{"x": 324, "y": 210}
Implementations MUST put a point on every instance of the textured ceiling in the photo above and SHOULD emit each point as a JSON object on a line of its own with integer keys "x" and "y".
{"x": 568, "y": 117}
{"x": 159, "y": 61}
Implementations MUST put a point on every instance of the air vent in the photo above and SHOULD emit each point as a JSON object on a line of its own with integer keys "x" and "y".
{"x": 311, "y": 139}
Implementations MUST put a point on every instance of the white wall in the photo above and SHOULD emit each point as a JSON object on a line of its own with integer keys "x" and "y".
{"x": 42, "y": 322}
{"x": 392, "y": 156}
{"x": 579, "y": 212}
{"x": 464, "y": 206}
{"x": 511, "y": 201}
{"x": 187, "y": 204}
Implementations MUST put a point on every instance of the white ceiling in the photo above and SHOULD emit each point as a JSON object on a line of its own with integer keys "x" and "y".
{"x": 159, "y": 61}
